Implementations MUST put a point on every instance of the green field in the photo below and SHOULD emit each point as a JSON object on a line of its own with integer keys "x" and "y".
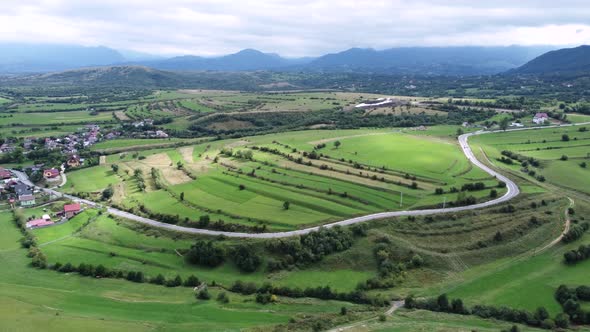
{"x": 547, "y": 146}
{"x": 154, "y": 253}
{"x": 369, "y": 172}
{"x": 53, "y": 118}
{"x": 50, "y": 301}
{"x": 90, "y": 179}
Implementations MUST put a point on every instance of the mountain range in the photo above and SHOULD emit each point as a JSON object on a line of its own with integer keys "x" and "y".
{"x": 472, "y": 60}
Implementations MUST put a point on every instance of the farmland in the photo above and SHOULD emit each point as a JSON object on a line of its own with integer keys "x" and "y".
{"x": 548, "y": 146}
{"x": 254, "y": 162}
{"x": 362, "y": 174}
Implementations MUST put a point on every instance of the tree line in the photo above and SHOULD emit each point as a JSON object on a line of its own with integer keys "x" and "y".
{"x": 539, "y": 318}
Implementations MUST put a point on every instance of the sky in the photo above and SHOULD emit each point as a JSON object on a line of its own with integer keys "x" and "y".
{"x": 292, "y": 28}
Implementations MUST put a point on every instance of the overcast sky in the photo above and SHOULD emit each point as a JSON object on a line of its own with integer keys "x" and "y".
{"x": 292, "y": 27}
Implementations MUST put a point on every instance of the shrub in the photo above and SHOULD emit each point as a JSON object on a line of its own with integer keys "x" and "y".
{"x": 177, "y": 281}
{"x": 246, "y": 258}
{"x": 192, "y": 281}
{"x": 203, "y": 294}
{"x": 158, "y": 280}
{"x": 223, "y": 298}
{"x": 205, "y": 253}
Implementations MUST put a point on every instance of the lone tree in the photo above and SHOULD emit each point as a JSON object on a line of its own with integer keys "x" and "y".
{"x": 504, "y": 124}
{"x": 115, "y": 168}
{"x": 182, "y": 196}
{"x": 337, "y": 144}
{"x": 286, "y": 205}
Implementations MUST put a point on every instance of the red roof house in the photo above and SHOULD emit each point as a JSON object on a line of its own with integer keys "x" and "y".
{"x": 71, "y": 210}
{"x": 5, "y": 174}
{"x": 38, "y": 223}
{"x": 50, "y": 173}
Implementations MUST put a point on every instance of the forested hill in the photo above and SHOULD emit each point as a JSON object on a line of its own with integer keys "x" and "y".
{"x": 563, "y": 62}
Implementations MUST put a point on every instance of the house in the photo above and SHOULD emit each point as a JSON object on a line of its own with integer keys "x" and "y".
{"x": 46, "y": 217}
{"x": 540, "y": 118}
{"x": 51, "y": 173}
{"x": 22, "y": 189}
{"x": 161, "y": 134}
{"x": 38, "y": 223}
{"x": 516, "y": 124}
{"x": 71, "y": 210}
{"x": 7, "y": 148}
{"x": 5, "y": 174}
{"x": 26, "y": 200}
{"x": 73, "y": 161}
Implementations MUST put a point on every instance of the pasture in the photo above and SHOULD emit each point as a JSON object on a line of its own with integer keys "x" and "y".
{"x": 50, "y": 301}
{"x": 118, "y": 246}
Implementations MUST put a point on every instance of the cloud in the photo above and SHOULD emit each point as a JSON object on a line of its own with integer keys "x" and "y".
{"x": 292, "y": 28}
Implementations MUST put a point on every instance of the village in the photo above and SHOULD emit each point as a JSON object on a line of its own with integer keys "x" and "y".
{"x": 18, "y": 195}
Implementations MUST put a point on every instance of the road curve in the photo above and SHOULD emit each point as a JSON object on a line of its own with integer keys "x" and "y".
{"x": 511, "y": 192}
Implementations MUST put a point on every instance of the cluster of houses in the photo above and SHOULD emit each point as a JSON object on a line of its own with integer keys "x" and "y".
{"x": 16, "y": 191}
{"x": 87, "y": 137}
{"x": 68, "y": 212}
{"x": 69, "y": 144}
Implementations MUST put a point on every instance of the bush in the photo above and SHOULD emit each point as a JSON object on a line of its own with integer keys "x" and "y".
{"x": 203, "y": 294}
{"x": 222, "y": 297}
{"x": 246, "y": 258}
{"x": 562, "y": 320}
{"x": 205, "y": 253}
{"x": 158, "y": 280}
{"x": 575, "y": 232}
{"x": 177, "y": 281}
{"x": 192, "y": 281}
{"x": 577, "y": 255}
{"x": 417, "y": 260}
{"x": 548, "y": 324}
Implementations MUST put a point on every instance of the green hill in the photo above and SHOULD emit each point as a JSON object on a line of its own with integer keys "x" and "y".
{"x": 565, "y": 62}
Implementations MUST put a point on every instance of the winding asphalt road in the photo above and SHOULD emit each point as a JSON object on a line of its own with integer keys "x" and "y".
{"x": 511, "y": 192}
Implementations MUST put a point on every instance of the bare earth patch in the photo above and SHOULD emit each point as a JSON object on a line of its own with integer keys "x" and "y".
{"x": 187, "y": 153}
{"x": 162, "y": 162}
{"x": 122, "y": 116}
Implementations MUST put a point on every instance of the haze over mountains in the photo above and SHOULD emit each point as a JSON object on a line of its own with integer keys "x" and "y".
{"x": 472, "y": 60}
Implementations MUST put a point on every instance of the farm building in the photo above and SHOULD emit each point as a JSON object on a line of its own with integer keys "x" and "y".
{"x": 38, "y": 223}
{"x": 71, "y": 210}
{"x": 540, "y": 118}
{"x": 51, "y": 173}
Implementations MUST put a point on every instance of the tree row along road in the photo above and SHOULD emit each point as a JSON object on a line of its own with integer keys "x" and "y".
{"x": 511, "y": 192}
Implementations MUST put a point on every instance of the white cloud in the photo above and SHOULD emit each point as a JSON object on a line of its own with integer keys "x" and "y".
{"x": 296, "y": 28}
